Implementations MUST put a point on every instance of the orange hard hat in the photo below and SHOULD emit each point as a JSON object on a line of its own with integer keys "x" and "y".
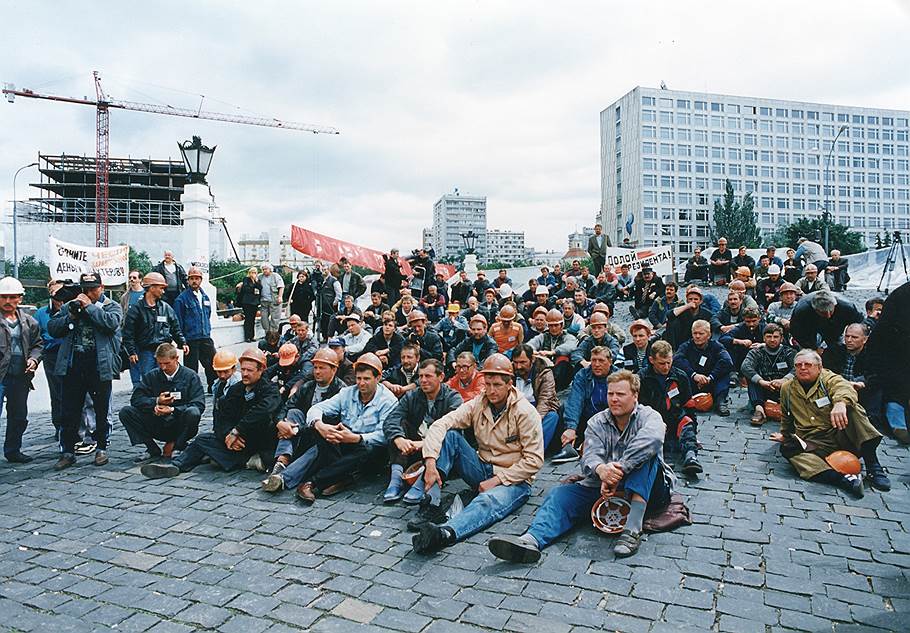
{"x": 609, "y": 514}
{"x": 599, "y": 318}
{"x": 703, "y": 402}
{"x": 539, "y": 310}
{"x": 153, "y": 279}
{"x": 194, "y": 271}
{"x": 369, "y": 360}
{"x": 641, "y": 324}
{"x": 287, "y": 354}
{"x": 254, "y": 354}
{"x": 327, "y": 356}
{"x": 223, "y": 360}
{"x": 744, "y": 271}
{"x": 507, "y": 313}
{"x": 416, "y": 315}
{"x": 498, "y": 364}
{"x": 844, "y": 462}
{"x": 479, "y": 318}
{"x": 555, "y": 316}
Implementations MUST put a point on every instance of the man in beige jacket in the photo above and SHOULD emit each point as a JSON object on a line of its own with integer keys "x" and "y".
{"x": 509, "y": 453}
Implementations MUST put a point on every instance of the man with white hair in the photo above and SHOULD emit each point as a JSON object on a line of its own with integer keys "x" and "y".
{"x": 821, "y": 414}
{"x": 819, "y": 319}
{"x": 174, "y": 275}
{"x": 270, "y": 306}
{"x": 836, "y": 271}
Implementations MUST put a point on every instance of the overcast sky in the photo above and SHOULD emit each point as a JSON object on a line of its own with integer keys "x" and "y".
{"x": 496, "y": 98}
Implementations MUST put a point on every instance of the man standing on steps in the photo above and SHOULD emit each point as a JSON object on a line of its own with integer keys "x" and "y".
{"x": 194, "y": 313}
{"x": 597, "y": 248}
{"x": 174, "y": 275}
{"x": 271, "y": 299}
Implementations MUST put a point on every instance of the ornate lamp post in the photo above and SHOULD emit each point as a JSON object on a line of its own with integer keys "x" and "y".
{"x": 198, "y": 159}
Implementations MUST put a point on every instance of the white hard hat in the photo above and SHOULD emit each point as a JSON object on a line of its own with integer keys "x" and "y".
{"x": 505, "y": 290}
{"x": 11, "y": 286}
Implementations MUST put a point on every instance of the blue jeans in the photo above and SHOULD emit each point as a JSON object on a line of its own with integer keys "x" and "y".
{"x": 458, "y": 457}
{"x": 550, "y": 422}
{"x": 758, "y": 395}
{"x": 146, "y": 364}
{"x": 14, "y": 389}
{"x": 568, "y": 504}
{"x": 719, "y": 388}
{"x": 896, "y": 415}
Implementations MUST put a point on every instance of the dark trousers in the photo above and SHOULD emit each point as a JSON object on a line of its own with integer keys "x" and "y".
{"x": 211, "y": 446}
{"x": 249, "y": 321}
{"x": 14, "y": 390}
{"x": 170, "y": 296}
{"x": 55, "y": 389}
{"x": 758, "y": 395}
{"x": 334, "y": 462}
{"x": 81, "y": 379}
{"x": 326, "y": 323}
{"x": 201, "y": 351}
{"x": 144, "y": 426}
{"x": 598, "y": 264}
{"x": 563, "y": 372}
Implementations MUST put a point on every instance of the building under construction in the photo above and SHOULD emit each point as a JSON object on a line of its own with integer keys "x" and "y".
{"x": 143, "y": 209}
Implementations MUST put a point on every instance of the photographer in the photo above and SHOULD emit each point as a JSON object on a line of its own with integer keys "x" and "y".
{"x": 166, "y": 406}
{"x": 149, "y": 323}
{"x": 89, "y": 357}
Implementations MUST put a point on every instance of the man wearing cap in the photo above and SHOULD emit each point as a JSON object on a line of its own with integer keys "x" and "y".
{"x": 174, "y": 276}
{"x": 587, "y": 396}
{"x": 768, "y": 289}
{"x": 506, "y": 332}
{"x": 433, "y": 304}
{"x": 743, "y": 260}
{"x": 467, "y": 381}
{"x": 290, "y": 333}
{"x": 242, "y": 428}
{"x": 194, "y": 313}
{"x": 271, "y": 298}
{"x": 478, "y": 342}
{"x": 227, "y": 375}
{"x": 402, "y": 377}
{"x": 781, "y": 311}
{"x": 509, "y": 454}
{"x": 707, "y": 365}
{"x": 406, "y": 425}
{"x": 429, "y": 342}
{"x": 288, "y": 371}
{"x": 761, "y": 271}
{"x": 648, "y": 287}
{"x": 452, "y": 329}
{"x": 88, "y": 359}
{"x": 349, "y": 436}
{"x": 819, "y": 319}
{"x": 534, "y": 380}
{"x": 295, "y": 438}
{"x": 557, "y": 345}
{"x": 599, "y": 337}
{"x": 356, "y": 338}
{"x": 345, "y": 365}
{"x": 635, "y": 354}
{"x": 542, "y": 299}
{"x": 766, "y": 368}
{"x": 721, "y": 260}
{"x": 21, "y": 346}
{"x": 537, "y": 323}
{"x": 836, "y": 271}
{"x": 810, "y": 281}
{"x": 657, "y": 315}
{"x": 820, "y": 415}
{"x": 149, "y": 323}
{"x": 681, "y": 318}
{"x": 386, "y": 342}
{"x": 623, "y": 452}
{"x": 166, "y": 405}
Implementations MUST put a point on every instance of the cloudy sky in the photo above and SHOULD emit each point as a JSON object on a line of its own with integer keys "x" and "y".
{"x": 496, "y": 98}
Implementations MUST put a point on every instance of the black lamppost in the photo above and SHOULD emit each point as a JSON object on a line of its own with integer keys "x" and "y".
{"x": 470, "y": 241}
{"x": 197, "y": 158}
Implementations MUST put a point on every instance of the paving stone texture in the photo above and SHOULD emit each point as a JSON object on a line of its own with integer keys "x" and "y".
{"x": 93, "y": 549}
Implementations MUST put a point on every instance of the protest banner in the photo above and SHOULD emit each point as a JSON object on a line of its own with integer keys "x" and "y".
{"x": 659, "y": 258}
{"x": 68, "y": 261}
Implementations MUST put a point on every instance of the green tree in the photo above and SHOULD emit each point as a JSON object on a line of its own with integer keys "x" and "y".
{"x": 140, "y": 260}
{"x": 34, "y": 275}
{"x": 840, "y": 237}
{"x": 736, "y": 221}
{"x": 225, "y": 275}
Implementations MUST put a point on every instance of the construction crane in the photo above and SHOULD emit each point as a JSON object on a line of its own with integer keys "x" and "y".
{"x": 104, "y": 104}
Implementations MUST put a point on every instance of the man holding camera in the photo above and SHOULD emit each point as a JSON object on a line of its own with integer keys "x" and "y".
{"x": 166, "y": 406}
{"x": 89, "y": 357}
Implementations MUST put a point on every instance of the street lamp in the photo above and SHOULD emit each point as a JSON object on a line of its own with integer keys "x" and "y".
{"x": 15, "y": 224}
{"x": 198, "y": 159}
{"x": 470, "y": 241}
{"x": 826, "y": 216}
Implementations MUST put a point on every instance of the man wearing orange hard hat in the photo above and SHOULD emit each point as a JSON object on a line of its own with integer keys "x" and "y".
{"x": 820, "y": 416}
{"x": 194, "y": 313}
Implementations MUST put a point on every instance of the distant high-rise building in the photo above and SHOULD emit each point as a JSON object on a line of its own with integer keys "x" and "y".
{"x": 505, "y": 246}
{"x": 427, "y": 238}
{"x": 274, "y": 248}
{"x": 579, "y": 239}
{"x": 667, "y": 153}
{"x": 456, "y": 213}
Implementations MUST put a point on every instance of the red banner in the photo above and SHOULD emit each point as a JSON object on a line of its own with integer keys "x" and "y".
{"x": 330, "y": 249}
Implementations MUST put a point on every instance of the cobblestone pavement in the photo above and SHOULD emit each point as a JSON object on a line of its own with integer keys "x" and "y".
{"x": 105, "y": 549}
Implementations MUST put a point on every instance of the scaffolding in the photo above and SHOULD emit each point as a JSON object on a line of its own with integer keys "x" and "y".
{"x": 142, "y": 191}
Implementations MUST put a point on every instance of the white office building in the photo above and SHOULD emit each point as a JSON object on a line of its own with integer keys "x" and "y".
{"x": 426, "y": 238}
{"x": 579, "y": 239}
{"x": 505, "y": 246}
{"x": 456, "y": 213}
{"x": 272, "y": 247}
{"x": 665, "y": 155}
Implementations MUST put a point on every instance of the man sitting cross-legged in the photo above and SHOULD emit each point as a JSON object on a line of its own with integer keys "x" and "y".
{"x": 241, "y": 429}
{"x": 766, "y": 367}
{"x": 356, "y": 442}
{"x": 166, "y": 405}
{"x": 623, "y": 446}
{"x": 406, "y": 426}
{"x": 822, "y": 409}
{"x": 509, "y": 454}
{"x": 666, "y": 389}
{"x": 295, "y": 437}
{"x": 707, "y": 364}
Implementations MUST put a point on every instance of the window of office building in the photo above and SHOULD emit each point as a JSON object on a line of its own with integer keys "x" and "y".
{"x": 666, "y": 117}
{"x": 649, "y": 115}
{"x": 700, "y": 120}
{"x": 648, "y": 101}
{"x": 648, "y": 131}
{"x": 666, "y": 165}
{"x": 683, "y": 118}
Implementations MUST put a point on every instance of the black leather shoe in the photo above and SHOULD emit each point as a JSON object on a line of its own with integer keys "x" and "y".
{"x": 876, "y": 476}
{"x": 722, "y": 409}
{"x": 159, "y": 471}
{"x": 18, "y": 458}
{"x": 431, "y": 538}
{"x": 513, "y": 549}
{"x": 429, "y": 513}
{"x": 566, "y": 454}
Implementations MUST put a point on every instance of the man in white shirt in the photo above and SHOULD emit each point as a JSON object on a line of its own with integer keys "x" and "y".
{"x": 270, "y": 306}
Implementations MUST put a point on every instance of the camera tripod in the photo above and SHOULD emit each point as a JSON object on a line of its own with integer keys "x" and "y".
{"x": 897, "y": 246}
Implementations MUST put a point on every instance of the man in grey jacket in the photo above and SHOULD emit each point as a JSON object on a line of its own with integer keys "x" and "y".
{"x": 623, "y": 451}
{"x": 21, "y": 346}
{"x": 405, "y": 426}
{"x": 89, "y": 358}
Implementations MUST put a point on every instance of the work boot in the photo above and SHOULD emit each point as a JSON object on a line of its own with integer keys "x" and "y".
{"x": 306, "y": 492}
{"x": 515, "y": 549}
{"x": 877, "y": 477}
{"x": 627, "y": 544}
{"x": 66, "y": 460}
{"x": 101, "y": 457}
{"x": 18, "y": 457}
{"x": 722, "y": 409}
{"x": 395, "y": 491}
{"x": 429, "y": 513}
{"x": 566, "y": 454}
{"x": 853, "y": 484}
{"x": 690, "y": 464}
{"x": 159, "y": 471}
{"x": 275, "y": 480}
{"x": 339, "y": 486}
{"x": 432, "y": 538}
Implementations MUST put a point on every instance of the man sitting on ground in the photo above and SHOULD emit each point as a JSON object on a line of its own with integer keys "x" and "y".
{"x": 581, "y": 355}
{"x": 648, "y": 287}
{"x": 403, "y": 377}
{"x": 166, "y": 405}
{"x": 507, "y": 333}
{"x": 707, "y": 364}
{"x": 851, "y": 360}
{"x": 635, "y": 354}
{"x": 768, "y": 289}
{"x": 744, "y": 337}
{"x": 356, "y": 337}
{"x": 534, "y": 380}
{"x": 821, "y": 414}
{"x": 623, "y": 447}
{"x": 557, "y": 346}
{"x": 587, "y": 397}
{"x": 406, "y": 426}
{"x": 467, "y": 381}
{"x": 873, "y": 312}
{"x": 478, "y": 341}
{"x": 509, "y": 454}
{"x": 657, "y": 315}
{"x": 810, "y": 281}
{"x": 386, "y": 342}
{"x": 288, "y": 371}
{"x": 766, "y": 368}
{"x": 680, "y": 319}
{"x": 241, "y": 429}
{"x": 427, "y": 340}
{"x": 780, "y": 312}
